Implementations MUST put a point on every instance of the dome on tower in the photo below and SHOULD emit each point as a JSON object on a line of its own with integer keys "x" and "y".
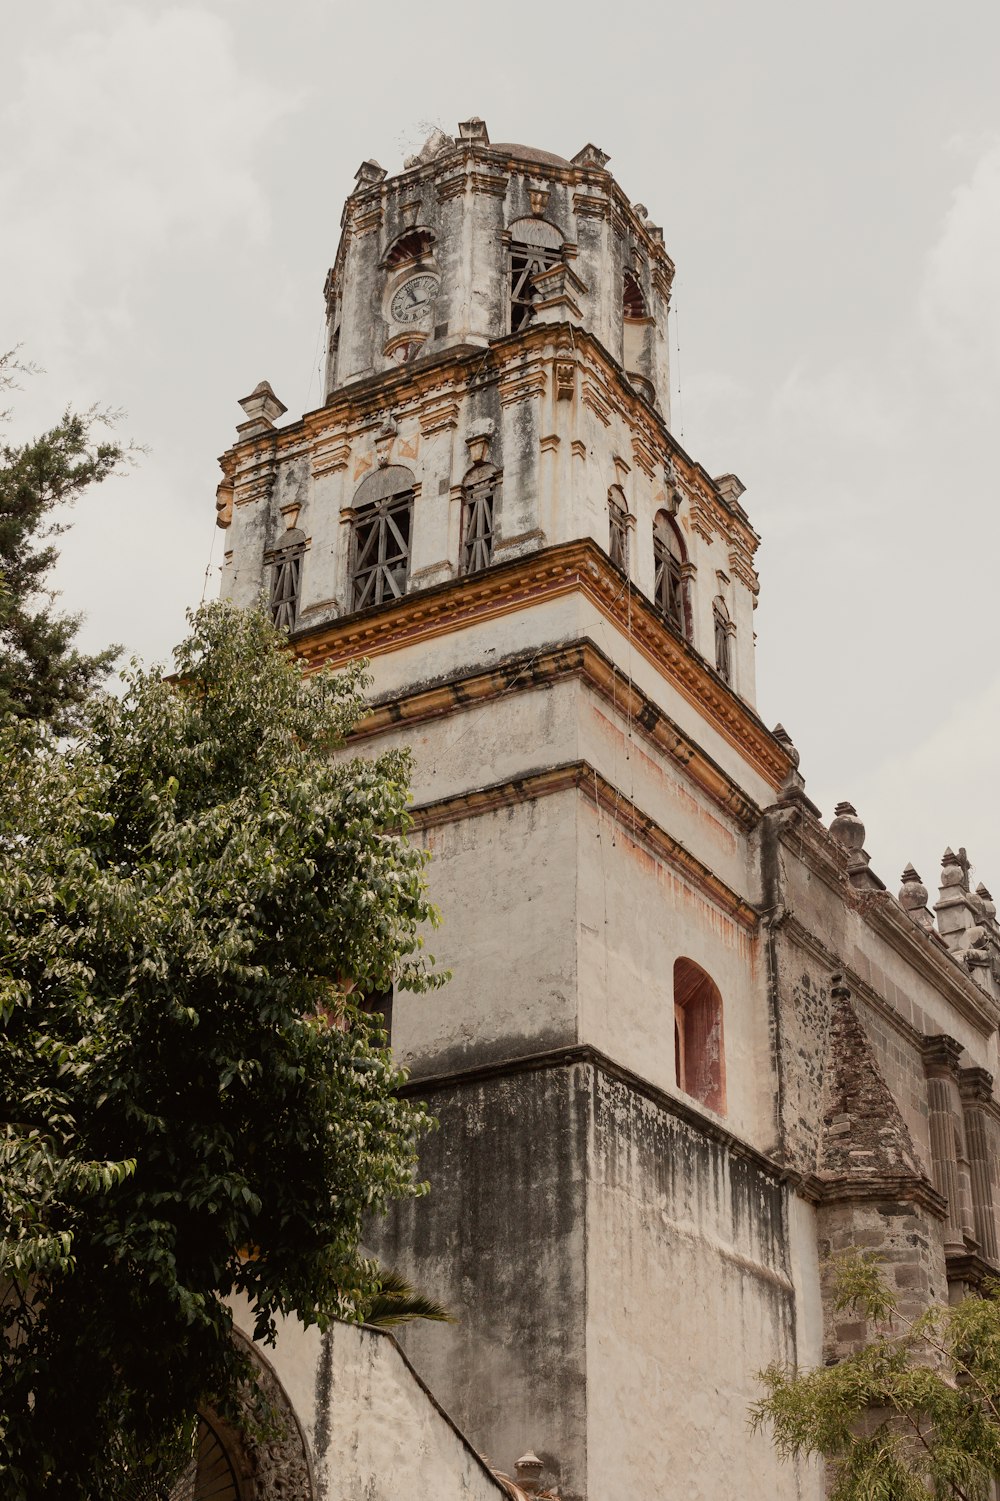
{"x": 530, "y": 154}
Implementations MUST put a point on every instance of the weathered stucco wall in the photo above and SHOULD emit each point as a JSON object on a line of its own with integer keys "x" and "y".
{"x": 690, "y": 1293}
{"x": 369, "y": 1424}
{"x": 500, "y": 1240}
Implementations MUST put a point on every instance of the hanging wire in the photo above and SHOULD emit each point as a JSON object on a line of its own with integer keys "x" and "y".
{"x": 208, "y": 565}
{"x": 316, "y": 367}
{"x": 677, "y": 346}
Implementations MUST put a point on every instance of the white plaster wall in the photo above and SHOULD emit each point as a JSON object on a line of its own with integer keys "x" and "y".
{"x": 504, "y": 884}
{"x": 371, "y": 1427}
{"x": 636, "y": 917}
{"x": 689, "y": 1296}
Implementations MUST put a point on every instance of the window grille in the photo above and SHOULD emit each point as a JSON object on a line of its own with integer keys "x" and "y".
{"x": 382, "y": 550}
{"x": 286, "y": 581}
{"x": 633, "y": 302}
{"x": 618, "y": 531}
{"x": 478, "y": 523}
{"x": 668, "y": 580}
{"x": 525, "y": 262}
{"x": 723, "y": 642}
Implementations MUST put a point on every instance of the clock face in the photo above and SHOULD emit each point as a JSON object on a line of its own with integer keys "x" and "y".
{"x": 412, "y": 301}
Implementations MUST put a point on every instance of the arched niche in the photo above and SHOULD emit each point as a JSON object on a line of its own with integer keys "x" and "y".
{"x": 699, "y": 1044}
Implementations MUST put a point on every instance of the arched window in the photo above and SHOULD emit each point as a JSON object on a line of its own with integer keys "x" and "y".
{"x": 633, "y": 302}
{"x": 535, "y": 244}
{"x": 380, "y": 543}
{"x": 415, "y": 245}
{"x": 699, "y": 1056}
{"x": 378, "y": 1005}
{"x": 480, "y": 495}
{"x": 286, "y": 578}
{"x": 723, "y": 640}
{"x": 618, "y": 528}
{"x": 669, "y": 583}
{"x": 213, "y": 1472}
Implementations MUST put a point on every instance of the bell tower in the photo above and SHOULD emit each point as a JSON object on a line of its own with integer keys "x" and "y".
{"x": 557, "y": 604}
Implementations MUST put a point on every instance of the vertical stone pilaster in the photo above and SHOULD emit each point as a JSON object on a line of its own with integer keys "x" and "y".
{"x": 976, "y": 1090}
{"x": 951, "y": 1164}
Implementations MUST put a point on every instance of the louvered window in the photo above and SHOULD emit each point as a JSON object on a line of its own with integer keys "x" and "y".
{"x": 382, "y": 550}
{"x": 286, "y": 580}
{"x": 478, "y": 521}
{"x": 723, "y": 641}
{"x": 618, "y": 530}
{"x": 525, "y": 262}
{"x": 668, "y": 581}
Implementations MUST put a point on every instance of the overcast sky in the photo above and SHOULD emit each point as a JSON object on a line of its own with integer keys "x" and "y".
{"x": 828, "y": 180}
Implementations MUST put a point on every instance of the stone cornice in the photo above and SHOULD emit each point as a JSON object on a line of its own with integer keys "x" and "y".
{"x": 938, "y": 966}
{"x": 806, "y": 838}
{"x": 443, "y": 379}
{"x": 711, "y": 1126}
{"x": 572, "y": 567}
{"x": 582, "y": 659}
{"x": 877, "y": 1188}
{"x": 584, "y": 778}
{"x": 967, "y": 1004}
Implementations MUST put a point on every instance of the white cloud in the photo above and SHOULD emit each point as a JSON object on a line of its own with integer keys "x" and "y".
{"x": 960, "y": 301}
{"x": 135, "y": 137}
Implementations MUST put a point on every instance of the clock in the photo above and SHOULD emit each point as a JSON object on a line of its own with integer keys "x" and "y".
{"x": 412, "y": 301}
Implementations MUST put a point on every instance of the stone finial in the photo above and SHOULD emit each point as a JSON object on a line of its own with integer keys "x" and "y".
{"x": 912, "y": 893}
{"x": 955, "y": 868}
{"x": 474, "y": 130}
{"x": 913, "y": 899}
{"x": 591, "y": 156}
{"x": 847, "y": 828}
{"x": 989, "y": 905}
{"x": 784, "y": 739}
{"x": 528, "y": 1470}
{"x": 263, "y": 409}
{"x": 641, "y": 211}
{"x": 368, "y": 174}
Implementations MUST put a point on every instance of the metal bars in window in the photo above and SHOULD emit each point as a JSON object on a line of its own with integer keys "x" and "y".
{"x": 525, "y": 262}
{"x": 478, "y": 521}
{"x": 668, "y": 579}
{"x": 617, "y": 533}
{"x": 286, "y": 585}
{"x": 723, "y": 642}
{"x": 382, "y": 550}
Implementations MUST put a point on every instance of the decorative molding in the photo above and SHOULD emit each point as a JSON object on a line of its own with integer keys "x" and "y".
{"x": 439, "y": 416}
{"x": 585, "y": 661}
{"x": 574, "y": 567}
{"x": 565, "y": 379}
{"x": 612, "y": 804}
{"x": 330, "y": 455}
{"x": 521, "y": 386}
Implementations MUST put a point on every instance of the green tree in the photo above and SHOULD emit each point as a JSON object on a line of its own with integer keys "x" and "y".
{"x": 42, "y": 674}
{"x": 915, "y": 1413}
{"x": 191, "y": 1107}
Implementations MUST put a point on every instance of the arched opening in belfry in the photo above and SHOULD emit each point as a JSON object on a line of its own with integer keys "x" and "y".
{"x": 535, "y": 245}
{"x": 670, "y": 587}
